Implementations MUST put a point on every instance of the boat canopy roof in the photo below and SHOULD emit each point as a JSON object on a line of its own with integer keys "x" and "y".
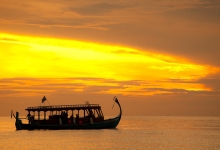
{"x": 63, "y": 107}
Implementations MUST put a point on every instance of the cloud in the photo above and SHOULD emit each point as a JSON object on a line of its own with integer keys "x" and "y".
{"x": 59, "y": 15}
{"x": 188, "y": 29}
{"x": 97, "y": 9}
{"x": 39, "y": 86}
{"x": 136, "y": 99}
{"x": 212, "y": 81}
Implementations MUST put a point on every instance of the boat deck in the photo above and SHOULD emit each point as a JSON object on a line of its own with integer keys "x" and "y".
{"x": 63, "y": 107}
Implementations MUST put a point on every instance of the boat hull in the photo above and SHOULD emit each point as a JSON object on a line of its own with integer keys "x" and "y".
{"x": 106, "y": 124}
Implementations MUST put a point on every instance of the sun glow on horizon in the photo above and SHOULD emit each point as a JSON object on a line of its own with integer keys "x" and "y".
{"x": 36, "y": 57}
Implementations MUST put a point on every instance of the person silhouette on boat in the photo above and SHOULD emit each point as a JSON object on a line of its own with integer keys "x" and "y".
{"x": 28, "y": 116}
{"x": 77, "y": 118}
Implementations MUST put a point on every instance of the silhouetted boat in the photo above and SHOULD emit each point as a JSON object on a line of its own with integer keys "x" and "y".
{"x": 58, "y": 118}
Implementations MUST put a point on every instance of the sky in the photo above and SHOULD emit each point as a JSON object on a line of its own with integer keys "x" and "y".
{"x": 158, "y": 57}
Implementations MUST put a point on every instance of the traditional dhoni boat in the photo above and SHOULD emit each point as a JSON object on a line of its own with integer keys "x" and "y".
{"x": 58, "y": 117}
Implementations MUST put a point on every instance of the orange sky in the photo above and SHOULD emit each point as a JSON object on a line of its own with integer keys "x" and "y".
{"x": 159, "y": 58}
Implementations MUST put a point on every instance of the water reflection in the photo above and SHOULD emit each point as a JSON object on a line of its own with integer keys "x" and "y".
{"x": 132, "y": 133}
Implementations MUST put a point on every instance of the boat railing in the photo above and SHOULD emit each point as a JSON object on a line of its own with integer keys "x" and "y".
{"x": 63, "y": 106}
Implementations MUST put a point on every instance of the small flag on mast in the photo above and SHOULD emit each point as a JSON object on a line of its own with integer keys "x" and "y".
{"x": 44, "y": 99}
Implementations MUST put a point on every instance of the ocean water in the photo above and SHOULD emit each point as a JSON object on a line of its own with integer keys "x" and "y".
{"x": 143, "y": 132}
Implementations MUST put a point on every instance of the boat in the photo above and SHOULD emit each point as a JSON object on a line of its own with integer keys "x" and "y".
{"x": 58, "y": 118}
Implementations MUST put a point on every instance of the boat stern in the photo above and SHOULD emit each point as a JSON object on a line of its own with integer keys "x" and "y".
{"x": 18, "y": 122}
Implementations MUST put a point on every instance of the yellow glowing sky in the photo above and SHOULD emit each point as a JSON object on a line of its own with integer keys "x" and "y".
{"x": 158, "y": 57}
{"x": 41, "y": 57}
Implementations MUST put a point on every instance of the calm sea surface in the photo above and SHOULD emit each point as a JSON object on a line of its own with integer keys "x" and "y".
{"x": 149, "y": 132}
